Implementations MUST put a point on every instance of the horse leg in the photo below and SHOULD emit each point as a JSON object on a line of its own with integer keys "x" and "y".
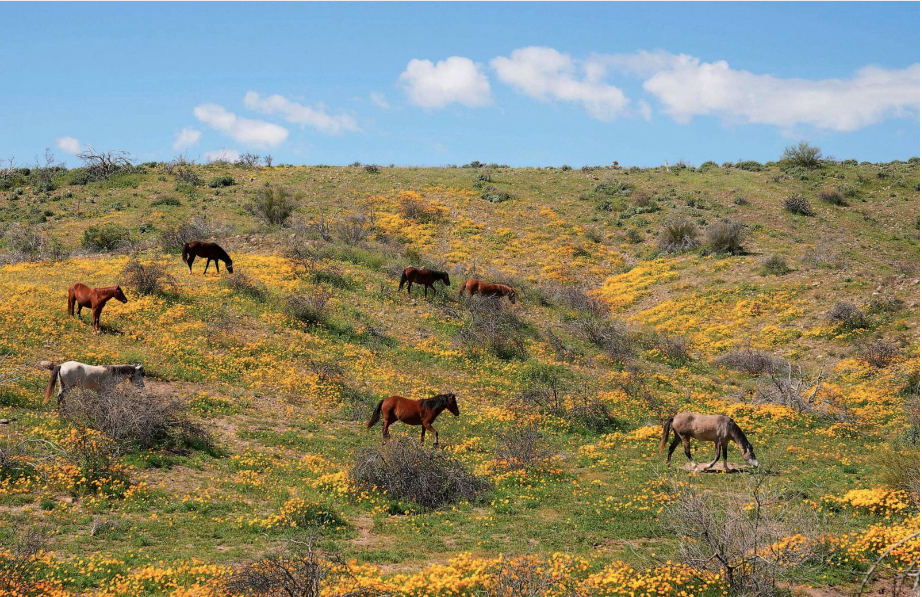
{"x": 434, "y": 432}
{"x": 96, "y": 313}
{"x": 70, "y": 305}
{"x": 687, "y": 444}
{"x": 724, "y": 450}
{"x": 190, "y": 262}
{"x": 207, "y": 263}
{"x": 422, "y": 436}
{"x": 409, "y": 286}
{"x": 716, "y": 454}
{"x": 217, "y": 265}
{"x": 675, "y": 444}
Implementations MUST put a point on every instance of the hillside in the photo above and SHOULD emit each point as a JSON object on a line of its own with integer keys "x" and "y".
{"x": 807, "y": 334}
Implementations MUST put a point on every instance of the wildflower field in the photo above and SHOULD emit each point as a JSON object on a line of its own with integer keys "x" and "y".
{"x": 562, "y": 395}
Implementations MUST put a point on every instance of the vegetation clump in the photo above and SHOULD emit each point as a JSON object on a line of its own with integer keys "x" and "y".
{"x": 105, "y": 237}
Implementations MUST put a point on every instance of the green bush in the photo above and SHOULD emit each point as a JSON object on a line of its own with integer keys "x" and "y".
{"x": 274, "y": 205}
{"x": 750, "y": 166}
{"x": 168, "y": 201}
{"x": 803, "y": 154}
{"x": 774, "y": 265}
{"x": 105, "y": 237}
{"x": 222, "y": 181}
{"x": 832, "y": 197}
{"x": 678, "y": 236}
{"x": 798, "y": 204}
{"x": 494, "y": 195}
{"x": 725, "y": 237}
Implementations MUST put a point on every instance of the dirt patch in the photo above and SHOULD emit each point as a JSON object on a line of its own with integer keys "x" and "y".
{"x": 718, "y": 468}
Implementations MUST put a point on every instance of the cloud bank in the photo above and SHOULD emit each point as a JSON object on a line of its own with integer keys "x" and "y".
{"x": 257, "y": 133}
{"x": 295, "y": 113}
{"x": 453, "y": 80}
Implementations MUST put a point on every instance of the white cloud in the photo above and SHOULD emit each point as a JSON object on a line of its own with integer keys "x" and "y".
{"x": 186, "y": 138}
{"x": 296, "y": 113}
{"x": 222, "y": 155}
{"x": 694, "y": 88}
{"x": 453, "y": 80}
{"x": 69, "y": 145}
{"x": 250, "y": 132}
{"x": 548, "y": 75}
{"x": 642, "y": 63}
{"x": 379, "y": 100}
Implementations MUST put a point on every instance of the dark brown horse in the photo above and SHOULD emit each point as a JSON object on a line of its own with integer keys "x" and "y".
{"x": 482, "y": 288}
{"x": 719, "y": 429}
{"x": 413, "y": 412}
{"x": 82, "y": 296}
{"x": 426, "y": 277}
{"x": 210, "y": 251}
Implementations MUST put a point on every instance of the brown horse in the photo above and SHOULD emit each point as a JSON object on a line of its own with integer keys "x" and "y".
{"x": 719, "y": 429}
{"x": 92, "y": 298}
{"x": 413, "y": 412}
{"x": 482, "y": 288}
{"x": 425, "y": 277}
{"x": 210, "y": 251}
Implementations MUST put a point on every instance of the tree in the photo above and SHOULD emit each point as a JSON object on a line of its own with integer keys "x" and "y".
{"x": 802, "y": 154}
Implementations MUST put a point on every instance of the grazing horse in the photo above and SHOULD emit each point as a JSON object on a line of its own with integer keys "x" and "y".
{"x": 425, "y": 277}
{"x": 413, "y": 412}
{"x": 210, "y": 251}
{"x": 719, "y": 429}
{"x": 73, "y": 374}
{"x": 82, "y": 296}
{"x": 482, "y": 288}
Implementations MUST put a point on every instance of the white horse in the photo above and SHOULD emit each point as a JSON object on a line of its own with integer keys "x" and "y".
{"x": 73, "y": 374}
{"x": 719, "y": 429}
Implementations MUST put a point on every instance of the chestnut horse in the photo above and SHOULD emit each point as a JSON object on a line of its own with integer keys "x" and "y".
{"x": 413, "y": 412}
{"x": 210, "y": 251}
{"x": 92, "y": 298}
{"x": 425, "y": 277}
{"x": 482, "y": 288}
{"x": 719, "y": 429}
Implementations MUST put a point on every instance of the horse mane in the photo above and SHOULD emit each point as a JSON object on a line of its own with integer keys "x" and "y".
{"x": 737, "y": 435}
{"x": 222, "y": 253}
{"x": 120, "y": 369}
{"x": 436, "y": 402}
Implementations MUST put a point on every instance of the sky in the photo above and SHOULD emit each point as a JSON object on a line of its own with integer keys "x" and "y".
{"x": 524, "y": 84}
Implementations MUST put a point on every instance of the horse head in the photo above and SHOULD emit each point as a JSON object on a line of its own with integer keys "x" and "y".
{"x": 137, "y": 376}
{"x": 230, "y": 267}
{"x": 512, "y": 296}
{"x": 451, "y": 404}
{"x": 444, "y": 276}
{"x": 749, "y": 455}
{"x": 119, "y": 295}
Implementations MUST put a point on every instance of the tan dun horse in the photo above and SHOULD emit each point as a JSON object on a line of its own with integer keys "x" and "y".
{"x": 482, "y": 288}
{"x": 210, "y": 251}
{"x": 82, "y": 296}
{"x": 719, "y": 429}
{"x": 413, "y": 412}
{"x": 425, "y": 277}
{"x": 74, "y": 374}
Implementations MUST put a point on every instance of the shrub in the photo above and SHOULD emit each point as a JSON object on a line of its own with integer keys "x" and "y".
{"x": 353, "y": 229}
{"x": 167, "y": 201}
{"x": 832, "y": 197}
{"x": 884, "y": 303}
{"x": 305, "y": 572}
{"x": 172, "y": 238}
{"x": 309, "y": 308}
{"x": 132, "y": 417}
{"x": 879, "y": 353}
{"x": 487, "y": 324}
{"x": 247, "y": 160}
{"x": 673, "y": 347}
{"x": 846, "y": 315}
{"x": 274, "y": 205}
{"x": 407, "y": 471}
{"x": 750, "y": 361}
{"x": 613, "y": 188}
{"x": 221, "y": 181}
{"x": 372, "y": 169}
{"x": 612, "y": 337}
{"x": 677, "y": 236}
{"x": 775, "y": 265}
{"x": 708, "y": 165}
{"x": 803, "y": 155}
{"x": 150, "y": 278}
{"x": 824, "y": 254}
{"x": 240, "y": 283}
{"x": 725, "y": 237}
{"x": 27, "y": 244}
{"x": 105, "y": 237}
{"x": 494, "y": 195}
{"x": 798, "y": 204}
{"x": 750, "y": 166}
{"x": 522, "y": 448}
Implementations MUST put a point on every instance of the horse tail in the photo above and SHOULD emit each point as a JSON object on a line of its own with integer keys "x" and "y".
{"x": 374, "y": 416}
{"x": 667, "y": 427}
{"x": 403, "y": 280}
{"x": 55, "y": 374}
{"x": 185, "y": 253}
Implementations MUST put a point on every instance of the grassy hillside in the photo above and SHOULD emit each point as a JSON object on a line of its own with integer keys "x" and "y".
{"x": 807, "y": 336}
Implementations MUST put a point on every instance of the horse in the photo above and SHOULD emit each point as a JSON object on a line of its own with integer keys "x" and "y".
{"x": 211, "y": 251}
{"x": 482, "y": 288}
{"x": 92, "y": 298}
{"x": 719, "y": 429}
{"x": 425, "y": 277}
{"x": 73, "y": 374}
{"x": 413, "y": 412}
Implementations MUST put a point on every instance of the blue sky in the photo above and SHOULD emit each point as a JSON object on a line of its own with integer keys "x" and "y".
{"x": 446, "y": 83}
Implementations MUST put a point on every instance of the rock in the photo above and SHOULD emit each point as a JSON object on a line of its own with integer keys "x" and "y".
{"x": 4, "y": 421}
